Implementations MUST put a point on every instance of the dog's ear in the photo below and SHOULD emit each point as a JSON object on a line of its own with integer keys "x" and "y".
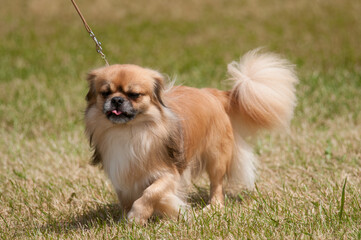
{"x": 159, "y": 88}
{"x": 91, "y": 95}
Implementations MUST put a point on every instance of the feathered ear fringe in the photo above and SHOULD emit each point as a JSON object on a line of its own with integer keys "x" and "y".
{"x": 158, "y": 91}
{"x": 90, "y": 97}
{"x": 158, "y": 86}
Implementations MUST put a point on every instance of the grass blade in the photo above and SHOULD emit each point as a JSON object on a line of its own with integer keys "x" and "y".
{"x": 342, "y": 200}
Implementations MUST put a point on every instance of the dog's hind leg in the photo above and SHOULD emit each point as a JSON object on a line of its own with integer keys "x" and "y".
{"x": 217, "y": 160}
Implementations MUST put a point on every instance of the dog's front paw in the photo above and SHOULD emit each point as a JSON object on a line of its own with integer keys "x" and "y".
{"x": 136, "y": 217}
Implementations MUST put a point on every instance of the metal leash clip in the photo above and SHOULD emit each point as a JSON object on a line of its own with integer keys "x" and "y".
{"x": 98, "y": 47}
{"x": 97, "y": 43}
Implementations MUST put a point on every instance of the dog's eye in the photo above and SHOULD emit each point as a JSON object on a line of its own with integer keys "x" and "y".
{"x": 105, "y": 94}
{"x": 133, "y": 95}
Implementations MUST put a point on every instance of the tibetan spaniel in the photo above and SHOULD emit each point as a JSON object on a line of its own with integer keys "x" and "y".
{"x": 152, "y": 140}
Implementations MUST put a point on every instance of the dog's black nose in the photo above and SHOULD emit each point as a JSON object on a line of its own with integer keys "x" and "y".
{"x": 117, "y": 101}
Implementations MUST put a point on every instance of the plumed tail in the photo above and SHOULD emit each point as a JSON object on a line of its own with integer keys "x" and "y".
{"x": 262, "y": 97}
{"x": 263, "y": 90}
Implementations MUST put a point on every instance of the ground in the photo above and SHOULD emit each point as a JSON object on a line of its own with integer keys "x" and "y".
{"x": 309, "y": 179}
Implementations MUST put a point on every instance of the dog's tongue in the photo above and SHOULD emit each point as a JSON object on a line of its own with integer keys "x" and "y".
{"x": 116, "y": 112}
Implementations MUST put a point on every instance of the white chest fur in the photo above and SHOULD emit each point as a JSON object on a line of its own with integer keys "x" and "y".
{"x": 124, "y": 150}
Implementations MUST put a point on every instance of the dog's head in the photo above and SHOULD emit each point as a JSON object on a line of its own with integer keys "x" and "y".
{"x": 125, "y": 92}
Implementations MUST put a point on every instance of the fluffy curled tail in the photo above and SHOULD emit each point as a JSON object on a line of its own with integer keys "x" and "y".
{"x": 263, "y": 90}
{"x": 262, "y": 97}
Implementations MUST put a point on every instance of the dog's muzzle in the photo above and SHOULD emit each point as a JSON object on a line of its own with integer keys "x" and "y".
{"x": 119, "y": 110}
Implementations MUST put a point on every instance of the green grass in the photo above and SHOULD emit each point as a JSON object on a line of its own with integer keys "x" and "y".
{"x": 309, "y": 181}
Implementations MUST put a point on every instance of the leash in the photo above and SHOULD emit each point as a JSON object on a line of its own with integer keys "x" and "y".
{"x": 98, "y": 44}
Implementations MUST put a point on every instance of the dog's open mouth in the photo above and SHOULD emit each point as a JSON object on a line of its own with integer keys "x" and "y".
{"x": 116, "y": 112}
{"x": 118, "y": 116}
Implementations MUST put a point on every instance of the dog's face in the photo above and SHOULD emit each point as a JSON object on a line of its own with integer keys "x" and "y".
{"x": 124, "y": 92}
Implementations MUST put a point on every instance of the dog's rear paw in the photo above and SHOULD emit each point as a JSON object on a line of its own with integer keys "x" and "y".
{"x": 213, "y": 207}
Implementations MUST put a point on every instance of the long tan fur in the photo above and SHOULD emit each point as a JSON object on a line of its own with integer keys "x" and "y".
{"x": 173, "y": 136}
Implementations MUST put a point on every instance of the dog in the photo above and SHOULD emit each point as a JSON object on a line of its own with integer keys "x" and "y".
{"x": 152, "y": 140}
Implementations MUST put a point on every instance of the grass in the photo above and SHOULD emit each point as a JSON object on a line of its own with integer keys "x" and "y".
{"x": 309, "y": 181}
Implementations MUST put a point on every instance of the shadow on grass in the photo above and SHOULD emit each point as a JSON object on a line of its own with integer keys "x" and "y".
{"x": 200, "y": 198}
{"x": 101, "y": 215}
{"x": 107, "y": 214}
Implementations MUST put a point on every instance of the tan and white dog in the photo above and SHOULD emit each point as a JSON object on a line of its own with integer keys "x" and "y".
{"x": 151, "y": 141}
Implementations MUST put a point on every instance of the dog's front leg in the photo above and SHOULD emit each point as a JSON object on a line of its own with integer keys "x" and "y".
{"x": 160, "y": 196}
